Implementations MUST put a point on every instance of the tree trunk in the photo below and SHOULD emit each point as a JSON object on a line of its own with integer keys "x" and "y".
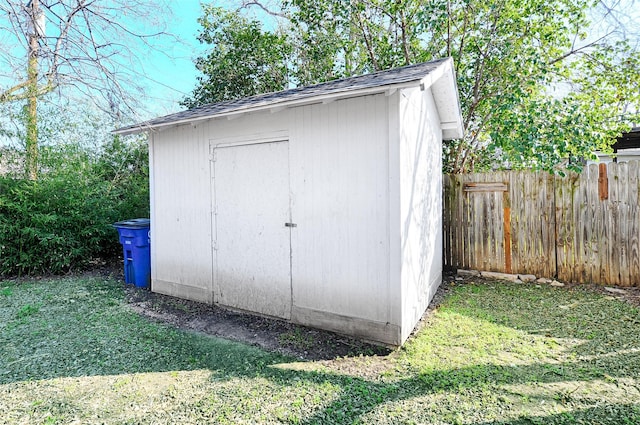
{"x": 31, "y": 142}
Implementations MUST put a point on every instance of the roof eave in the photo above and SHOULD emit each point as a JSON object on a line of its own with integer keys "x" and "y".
{"x": 442, "y": 82}
{"x": 143, "y": 127}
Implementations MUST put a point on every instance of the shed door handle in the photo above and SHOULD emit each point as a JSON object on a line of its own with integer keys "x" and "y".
{"x": 290, "y": 225}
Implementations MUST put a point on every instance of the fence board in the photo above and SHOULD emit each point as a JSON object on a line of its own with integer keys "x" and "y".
{"x": 565, "y": 223}
{"x": 466, "y": 231}
{"x": 634, "y": 229}
{"x": 593, "y": 229}
{"x": 559, "y": 226}
{"x": 446, "y": 222}
{"x": 623, "y": 223}
{"x": 583, "y": 226}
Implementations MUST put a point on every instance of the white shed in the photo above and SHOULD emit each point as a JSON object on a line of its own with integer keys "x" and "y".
{"x": 320, "y": 205}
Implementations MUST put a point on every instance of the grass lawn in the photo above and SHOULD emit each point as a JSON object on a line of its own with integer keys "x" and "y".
{"x": 71, "y": 351}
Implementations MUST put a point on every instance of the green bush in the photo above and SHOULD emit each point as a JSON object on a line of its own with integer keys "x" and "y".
{"x": 62, "y": 222}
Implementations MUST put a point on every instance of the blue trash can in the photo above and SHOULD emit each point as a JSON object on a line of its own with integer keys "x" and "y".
{"x": 136, "y": 242}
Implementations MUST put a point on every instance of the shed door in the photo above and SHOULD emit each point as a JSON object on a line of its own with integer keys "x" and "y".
{"x": 252, "y": 243}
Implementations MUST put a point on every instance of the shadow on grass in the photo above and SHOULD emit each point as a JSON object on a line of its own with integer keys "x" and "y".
{"x": 618, "y": 413}
{"x": 64, "y": 337}
{"x": 359, "y": 397}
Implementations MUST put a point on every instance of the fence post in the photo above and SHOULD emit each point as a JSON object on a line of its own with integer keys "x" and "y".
{"x": 506, "y": 203}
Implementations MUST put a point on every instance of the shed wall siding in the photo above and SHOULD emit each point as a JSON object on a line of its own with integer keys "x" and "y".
{"x": 340, "y": 201}
{"x": 181, "y": 236}
{"x": 181, "y": 209}
{"x": 420, "y": 204}
{"x": 252, "y": 127}
{"x": 395, "y": 237}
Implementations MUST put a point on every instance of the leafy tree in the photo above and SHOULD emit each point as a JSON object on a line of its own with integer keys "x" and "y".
{"x": 89, "y": 180}
{"x": 244, "y": 60}
{"x": 357, "y": 36}
{"x": 527, "y": 76}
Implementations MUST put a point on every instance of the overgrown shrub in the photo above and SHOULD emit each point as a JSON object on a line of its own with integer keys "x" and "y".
{"x": 62, "y": 222}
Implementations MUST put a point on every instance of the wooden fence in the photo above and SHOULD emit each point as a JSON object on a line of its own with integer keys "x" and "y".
{"x": 579, "y": 228}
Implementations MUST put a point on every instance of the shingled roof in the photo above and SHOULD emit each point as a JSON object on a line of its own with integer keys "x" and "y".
{"x": 629, "y": 140}
{"x": 347, "y": 87}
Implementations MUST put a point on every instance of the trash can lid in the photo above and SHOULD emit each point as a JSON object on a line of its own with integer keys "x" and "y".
{"x": 135, "y": 223}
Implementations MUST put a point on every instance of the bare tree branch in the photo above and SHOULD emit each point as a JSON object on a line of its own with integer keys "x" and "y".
{"x": 573, "y": 50}
{"x": 88, "y": 40}
{"x": 248, "y": 3}
{"x": 87, "y": 44}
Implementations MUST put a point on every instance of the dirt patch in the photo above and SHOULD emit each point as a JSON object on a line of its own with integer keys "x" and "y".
{"x": 270, "y": 334}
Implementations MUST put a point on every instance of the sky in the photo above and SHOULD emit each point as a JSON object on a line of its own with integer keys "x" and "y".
{"x": 172, "y": 76}
{"x": 168, "y": 75}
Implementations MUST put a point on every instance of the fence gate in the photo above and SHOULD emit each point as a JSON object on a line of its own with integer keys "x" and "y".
{"x": 501, "y": 221}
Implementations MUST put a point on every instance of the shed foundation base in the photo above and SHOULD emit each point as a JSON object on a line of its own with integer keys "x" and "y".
{"x": 369, "y": 330}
